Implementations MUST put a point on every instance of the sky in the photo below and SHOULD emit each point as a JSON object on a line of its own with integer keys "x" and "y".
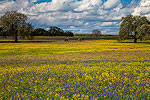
{"x": 78, "y": 16}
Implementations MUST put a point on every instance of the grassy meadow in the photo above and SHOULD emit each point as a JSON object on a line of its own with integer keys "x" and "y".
{"x": 90, "y": 69}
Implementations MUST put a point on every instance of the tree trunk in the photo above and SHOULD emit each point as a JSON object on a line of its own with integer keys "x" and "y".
{"x": 16, "y": 37}
{"x": 4, "y": 35}
{"x": 135, "y": 38}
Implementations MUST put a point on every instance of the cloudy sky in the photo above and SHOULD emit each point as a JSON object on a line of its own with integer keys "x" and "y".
{"x": 78, "y": 16}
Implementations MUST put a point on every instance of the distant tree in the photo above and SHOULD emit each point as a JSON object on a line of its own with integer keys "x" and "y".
{"x": 12, "y": 22}
{"x": 129, "y": 25}
{"x": 56, "y": 31}
{"x": 69, "y": 33}
{"x": 96, "y": 32}
{"x": 40, "y": 32}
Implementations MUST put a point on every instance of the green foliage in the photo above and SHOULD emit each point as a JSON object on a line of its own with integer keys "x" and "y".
{"x": 53, "y": 31}
{"x": 96, "y": 32}
{"x": 15, "y": 24}
{"x": 25, "y": 31}
{"x": 144, "y": 32}
{"x": 3, "y": 33}
{"x": 56, "y": 31}
{"x": 129, "y": 25}
{"x": 69, "y": 33}
{"x": 40, "y": 32}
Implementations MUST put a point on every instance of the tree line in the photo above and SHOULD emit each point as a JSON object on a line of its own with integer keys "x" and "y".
{"x": 15, "y": 24}
{"x": 52, "y": 31}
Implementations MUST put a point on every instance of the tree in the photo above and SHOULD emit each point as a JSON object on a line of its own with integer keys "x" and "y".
{"x": 129, "y": 25}
{"x": 13, "y": 22}
{"x": 96, "y": 32}
{"x": 69, "y": 33}
{"x": 56, "y": 31}
{"x": 40, "y": 32}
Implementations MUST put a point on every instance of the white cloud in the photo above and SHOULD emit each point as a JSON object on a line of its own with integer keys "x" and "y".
{"x": 87, "y": 23}
{"x": 33, "y": 1}
{"x": 6, "y": 6}
{"x": 108, "y": 23}
{"x": 109, "y": 4}
{"x": 72, "y": 27}
{"x": 79, "y": 16}
{"x": 85, "y": 5}
{"x": 23, "y": 4}
{"x": 55, "y": 5}
{"x": 143, "y": 8}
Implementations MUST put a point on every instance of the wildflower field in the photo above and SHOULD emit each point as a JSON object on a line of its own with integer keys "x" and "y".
{"x": 91, "y": 69}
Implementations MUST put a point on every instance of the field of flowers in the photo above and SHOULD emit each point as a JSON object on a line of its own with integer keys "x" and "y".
{"x": 95, "y": 69}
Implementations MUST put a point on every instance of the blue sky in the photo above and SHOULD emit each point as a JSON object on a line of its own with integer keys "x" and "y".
{"x": 78, "y": 16}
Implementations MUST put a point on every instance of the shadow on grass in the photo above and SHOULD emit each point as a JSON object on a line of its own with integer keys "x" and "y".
{"x": 26, "y": 41}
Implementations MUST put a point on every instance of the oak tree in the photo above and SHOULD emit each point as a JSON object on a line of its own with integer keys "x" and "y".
{"x": 15, "y": 24}
{"x": 129, "y": 25}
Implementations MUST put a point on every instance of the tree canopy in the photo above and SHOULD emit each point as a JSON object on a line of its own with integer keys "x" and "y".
{"x": 129, "y": 26}
{"x": 69, "y": 33}
{"x": 96, "y": 32}
{"x": 56, "y": 31}
{"x": 16, "y": 24}
{"x": 40, "y": 32}
{"x": 53, "y": 31}
{"x": 143, "y": 32}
